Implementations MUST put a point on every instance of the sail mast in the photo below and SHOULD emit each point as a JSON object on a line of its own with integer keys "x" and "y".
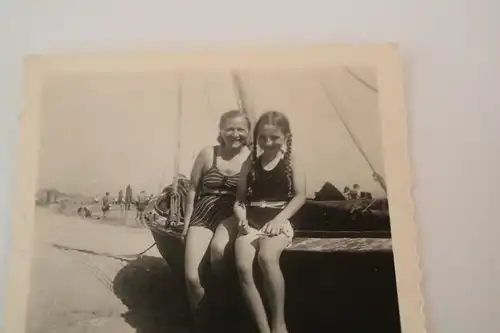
{"x": 178, "y": 134}
{"x": 241, "y": 98}
{"x": 174, "y": 198}
{"x": 209, "y": 101}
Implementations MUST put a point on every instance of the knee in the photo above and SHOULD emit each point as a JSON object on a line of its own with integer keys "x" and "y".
{"x": 193, "y": 280}
{"x": 217, "y": 250}
{"x": 268, "y": 259}
{"x": 244, "y": 268}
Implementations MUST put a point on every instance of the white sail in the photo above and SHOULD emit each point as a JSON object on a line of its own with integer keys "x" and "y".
{"x": 144, "y": 108}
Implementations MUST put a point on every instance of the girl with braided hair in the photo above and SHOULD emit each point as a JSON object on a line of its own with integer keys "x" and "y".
{"x": 270, "y": 191}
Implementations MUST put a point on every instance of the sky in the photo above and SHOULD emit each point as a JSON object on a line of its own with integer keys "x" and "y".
{"x": 102, "y": 131}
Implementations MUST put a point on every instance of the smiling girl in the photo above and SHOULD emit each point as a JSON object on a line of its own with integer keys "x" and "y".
{"x": 270, "y": 191}
{"x": 209, "y": 218}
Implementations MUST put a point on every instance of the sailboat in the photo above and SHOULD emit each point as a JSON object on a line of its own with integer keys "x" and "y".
{"x": 327, "y": 231}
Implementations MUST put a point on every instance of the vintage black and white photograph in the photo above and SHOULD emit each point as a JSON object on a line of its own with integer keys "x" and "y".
{"x": 224, "y": 199}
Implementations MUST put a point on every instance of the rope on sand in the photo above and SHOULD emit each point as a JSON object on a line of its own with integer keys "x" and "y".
{"x": 120, "y": 257}
{"x": 146, "y": 250}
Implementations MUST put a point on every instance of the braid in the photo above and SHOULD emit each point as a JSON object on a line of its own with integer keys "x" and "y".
{"x": 288, "y": 165}
{"x": 252, "y": 171}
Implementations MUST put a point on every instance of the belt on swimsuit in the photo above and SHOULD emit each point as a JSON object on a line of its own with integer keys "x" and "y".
{"x": 217, "y": 192}
{"x": 268, "y": 204}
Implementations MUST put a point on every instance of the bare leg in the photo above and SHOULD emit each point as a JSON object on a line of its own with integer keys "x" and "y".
{"x": 137, "y": 213}
{"x": 197, "y": 242}
{"x": 270, "y": 249}
{"x": 245, "y": 254}
{"x": 225, "y": 234}
{"x": 141, "y": 222}
{"x": 221, "y": 251}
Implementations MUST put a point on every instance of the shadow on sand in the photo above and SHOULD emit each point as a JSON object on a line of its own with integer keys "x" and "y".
{"x": 155, "y": 297}
{"x": 157, "y": 303}
{"x": 344, "y": 292}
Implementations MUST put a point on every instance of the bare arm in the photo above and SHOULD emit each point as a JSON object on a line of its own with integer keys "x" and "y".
{"x": 241, "y": 192}
{"x": 196, "y": 173}
{"x": 299, "y": 181}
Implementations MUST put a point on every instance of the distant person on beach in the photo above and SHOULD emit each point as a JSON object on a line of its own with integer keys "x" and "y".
{"x": 105, "y": 205}
{"x": 87, "y": 212}
{"x": 128, "y": 197}
{"x": 271, "y": 190}
{"x": 84, "y": 212}
{"x": 209, "y": 223}
{"x": 347, "y": 190}
{"x": 141, "y": 204}
{"x": 62, "y": 205}
{"x": 120, "y": 201}
{"x": 354, "y": 193}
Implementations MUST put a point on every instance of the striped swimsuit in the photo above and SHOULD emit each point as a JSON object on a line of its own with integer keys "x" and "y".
{"x": 217, "y": 195}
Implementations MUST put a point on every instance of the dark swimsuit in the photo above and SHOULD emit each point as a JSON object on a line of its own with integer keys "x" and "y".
{"x": 216, "y": 199}
{"x": 268, "y": 185}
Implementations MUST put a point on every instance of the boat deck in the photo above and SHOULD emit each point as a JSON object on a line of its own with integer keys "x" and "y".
{"x": 322, "y": 241}
{"x": 308, "y": 244}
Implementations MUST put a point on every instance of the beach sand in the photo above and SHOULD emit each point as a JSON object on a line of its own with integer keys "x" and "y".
{"x": 86, "y": 278}
{"x": 79, "y": 285}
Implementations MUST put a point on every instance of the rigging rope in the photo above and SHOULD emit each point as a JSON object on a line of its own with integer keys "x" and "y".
{"x": 357, "y": 77}
{"x": 335, "y": 108}
{"x": 353, "y": 137}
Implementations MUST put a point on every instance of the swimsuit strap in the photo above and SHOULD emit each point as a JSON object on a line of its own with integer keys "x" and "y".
{"x": 214, "y": 162}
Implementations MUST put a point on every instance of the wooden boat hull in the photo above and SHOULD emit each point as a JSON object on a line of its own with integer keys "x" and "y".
{"x": 171, "y": 247}
{"x": 339, "y": 278}
{"x": 341, "y": 284}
